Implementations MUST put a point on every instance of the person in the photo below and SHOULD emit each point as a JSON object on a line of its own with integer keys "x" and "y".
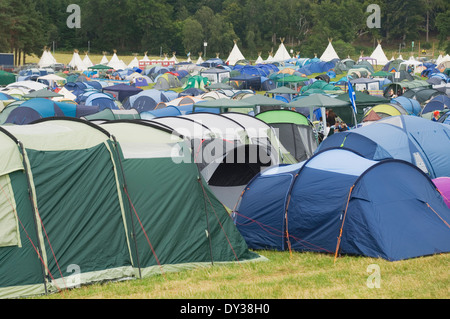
{"x": 340, "y": 127}
{"x": 366, "y": 91}
{"x": 435, "y": 116}
{"x": 331, "y": 117}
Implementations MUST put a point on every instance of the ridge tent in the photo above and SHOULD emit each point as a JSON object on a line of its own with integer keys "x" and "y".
{"x": 85, "y": 231}
{"x": 421, "y": 142}
{"x": 387, "y": 209}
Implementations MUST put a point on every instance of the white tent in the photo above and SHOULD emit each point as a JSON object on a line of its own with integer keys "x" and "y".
{"x": 259, "y": 59}
{"x": 66, "y": 95}
{"x": 329, "y": 53}
{"x": 282, "y": 54}
{"x": 411, "y": 62}
{"x": 270, "y": 57}
{"x": 145, "y": 58}
{"x": 104, "y": 59}
{"x": 47, "y": 59}
{"x": 115, "y": 63}
{"x": 200, "y": 60}
{"x": 378, "y": 54}
{"x": 235, "y": 55}
{"x": 174, "y": 58}
{"x": 77, "y": 63}
{"x": 52, "y": 79}
{"x": 134, "y": 63}
{"x": 87, "y": 61}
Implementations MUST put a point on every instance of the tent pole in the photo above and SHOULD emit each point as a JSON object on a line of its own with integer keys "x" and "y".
{"x": 33, "y": 206}
{"x": 129, "y": 205}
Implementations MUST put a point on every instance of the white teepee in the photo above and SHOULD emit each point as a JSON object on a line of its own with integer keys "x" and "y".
{"x": 378, "y": 54}
{"x": 134, "y": 63}
{"x": 174, "y": 58}
{"x": 76, "y": 62}
{"x": 329, "y": 53}
{"x": 47, "y": 59}
{"x": 115, "y": 63}
{"x": 259, "y": 59}
{"x": 282, "y": 53}
{"x": 235, "y": 55}
{"x": 87, "y": 61}
{"x": 104, "y": 60}
{"x": 200, "y": 60}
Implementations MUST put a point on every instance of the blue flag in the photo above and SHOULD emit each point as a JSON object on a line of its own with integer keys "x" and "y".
{"x": 351, "y": 95}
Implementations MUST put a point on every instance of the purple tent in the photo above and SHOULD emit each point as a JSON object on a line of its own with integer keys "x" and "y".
{"x": 443, "y": 185}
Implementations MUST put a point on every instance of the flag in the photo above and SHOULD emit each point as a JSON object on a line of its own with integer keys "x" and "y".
{"x": 351, "y": 95}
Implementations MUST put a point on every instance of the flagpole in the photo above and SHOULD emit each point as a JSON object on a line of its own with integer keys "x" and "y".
{"x": 351, "y": 94}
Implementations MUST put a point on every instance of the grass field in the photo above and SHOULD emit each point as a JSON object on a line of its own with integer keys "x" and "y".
{"x": 302, "y": 276}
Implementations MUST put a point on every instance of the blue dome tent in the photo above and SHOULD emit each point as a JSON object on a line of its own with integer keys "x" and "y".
{"x": 338, "y": 202}
{"x": 416, "y": 140}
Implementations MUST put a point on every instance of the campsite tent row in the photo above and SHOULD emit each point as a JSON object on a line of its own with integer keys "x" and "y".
{"x": 83, "y": 203}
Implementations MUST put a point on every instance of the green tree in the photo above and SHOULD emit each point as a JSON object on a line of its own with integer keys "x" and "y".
{"x": 192, "y": 36}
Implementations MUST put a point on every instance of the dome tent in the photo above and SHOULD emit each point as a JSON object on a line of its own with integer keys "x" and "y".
{"x": 413, "y": 139}
{"x": 291, "y": 207}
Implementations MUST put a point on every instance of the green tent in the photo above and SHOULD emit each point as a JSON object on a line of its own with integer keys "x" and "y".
{"x": 6, "y": 78}
{"x": 69, "y": 201}
{"x": 175, "y": 211}
{"x": 362, "y": 101}
{"x": 110, "y": 115}
{"x": 264, "y": 103}
{"x": 70, "y": 229}
{"x": 294, "y": 132}
{"x": 322, "y": 101}
{"x": 42, "y": 93}
{"x": 100, "y": 67}
{"x": 224, "y": 105}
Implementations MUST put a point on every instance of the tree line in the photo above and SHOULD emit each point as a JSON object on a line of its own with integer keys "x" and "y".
{"x": 182, "y": 26}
